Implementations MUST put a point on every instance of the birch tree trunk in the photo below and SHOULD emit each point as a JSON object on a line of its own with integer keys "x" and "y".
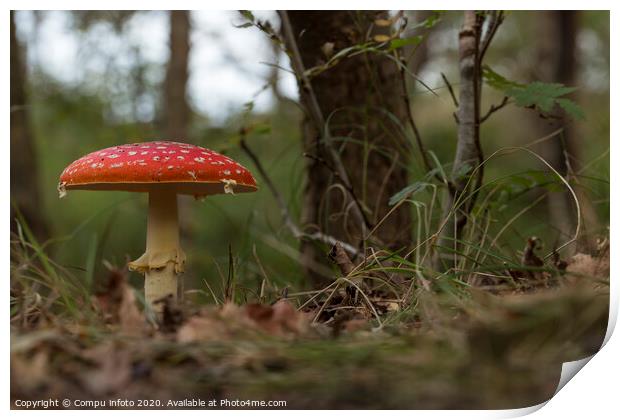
{"x": 468, "y": 151}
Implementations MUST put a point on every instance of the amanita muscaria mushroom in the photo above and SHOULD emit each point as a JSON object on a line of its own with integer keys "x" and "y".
{"x": 162, "y": 169}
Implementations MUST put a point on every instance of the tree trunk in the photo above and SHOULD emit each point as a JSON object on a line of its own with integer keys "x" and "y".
{"x": 356, "y": 97}
{"x": 468, "y": 153}
{"x": 176, "y": 108}
{"x": 25, "y": 190}
{"x": 177, "y": 112}
{"x": 557, "y": 63}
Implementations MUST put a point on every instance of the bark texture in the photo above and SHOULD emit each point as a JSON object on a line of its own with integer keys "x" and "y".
{"x": 176, "y": 108}
{"x": 356, "y": 97}
{"x": 25, "y": 189}
{"x": 557, "y": 63}
{"x": 468, "y": 152}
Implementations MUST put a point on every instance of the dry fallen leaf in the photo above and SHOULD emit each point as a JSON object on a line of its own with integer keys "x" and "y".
{"x": 381, "y": 38}
{"x": 383, "y": 22}
{"x": 587, "y": 267}
{"x": 113, "y": 368}
{"x": 31, "y": 371}
{"x": 118, "y": 304}
{"x": 280, "y": 319}
{"x": 202, "y": 328}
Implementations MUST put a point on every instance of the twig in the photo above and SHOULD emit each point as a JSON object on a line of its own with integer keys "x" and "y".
{"x": 286, "y": 215}
{"x": 342, "y": 260}
{"x": 449, "y": 85}
{"x": 414, "y": 127}
{"x": 316, "y": 115}
{"x": 496, "y": 20}
{"x": 493, "y": 109}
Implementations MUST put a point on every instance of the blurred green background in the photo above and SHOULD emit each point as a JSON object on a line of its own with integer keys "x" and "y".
{"x": 96, "y": 79}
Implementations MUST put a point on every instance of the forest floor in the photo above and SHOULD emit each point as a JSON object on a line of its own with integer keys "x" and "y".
{"x": 496, "y": 347}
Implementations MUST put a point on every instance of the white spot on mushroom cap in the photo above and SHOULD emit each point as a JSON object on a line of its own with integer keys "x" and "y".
{"x": 199, "y": 159}
{"x": 132, "y": 153}
{"x": 113, "y": 156}
{"x": 228, "y": 185}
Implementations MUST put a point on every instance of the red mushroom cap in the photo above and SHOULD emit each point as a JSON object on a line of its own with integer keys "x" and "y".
{"x": 145, "y": 167}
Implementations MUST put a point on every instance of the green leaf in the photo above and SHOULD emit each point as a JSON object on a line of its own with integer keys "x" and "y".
{"x": 409, "y": 190}
{"x": 403, "y": 42}
{"x": 497, "y": 81}
{"x": 432, "y": 20}
{"x": 541, "y": 96}
{"x": 538, "y": 94}
{"x": 571, "y": 108}
{"x": 429, "y": 22}
{"x": 244, "y": 25}
{"x": 247, "y": 14}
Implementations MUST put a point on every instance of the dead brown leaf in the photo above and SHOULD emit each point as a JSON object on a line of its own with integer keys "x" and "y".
{"x": 202, "y": 328}
{"x": 31, "y": 371}
{"x": 280, "y": 319}
{"x": 118, "y": 304}
{"x": 112, "y": 371}
{"x": 584, "y": 267}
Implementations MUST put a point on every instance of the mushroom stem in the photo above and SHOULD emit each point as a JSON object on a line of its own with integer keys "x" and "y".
{"x": 163, "y": 259}
{"x": 162, "y": 241}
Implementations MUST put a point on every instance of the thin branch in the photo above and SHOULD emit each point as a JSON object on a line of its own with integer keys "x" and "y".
{"x": 478, "y": 99}
{"x": 284, "y": 211}
{"x": 414, "y": 127}
{"x": 497, "y": 17}
{"x": 449, "y": 85}
{"x": 493, "y": 109}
